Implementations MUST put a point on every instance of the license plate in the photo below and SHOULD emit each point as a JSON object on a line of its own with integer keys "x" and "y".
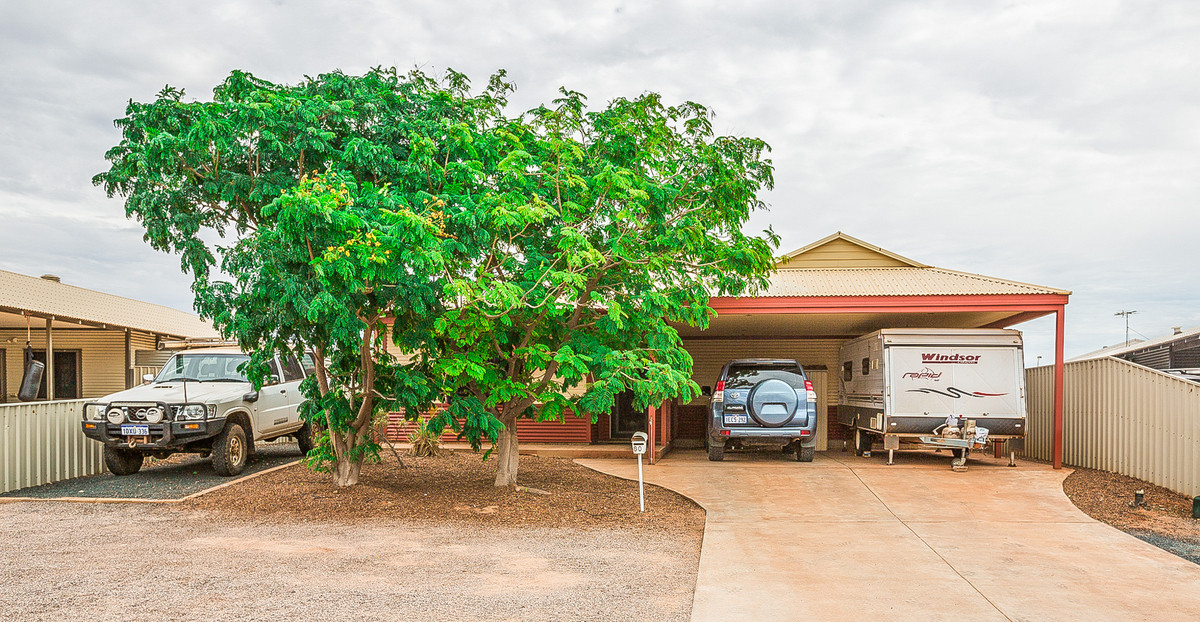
{"x": 736, "y": 419}
{"x": 135, "y": 430}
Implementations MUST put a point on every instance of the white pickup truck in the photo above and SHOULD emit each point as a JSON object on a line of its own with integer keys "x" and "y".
{"x": 200, "y": 402}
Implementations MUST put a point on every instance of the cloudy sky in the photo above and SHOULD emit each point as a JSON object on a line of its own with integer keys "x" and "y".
{"x": 1052, "y": 142}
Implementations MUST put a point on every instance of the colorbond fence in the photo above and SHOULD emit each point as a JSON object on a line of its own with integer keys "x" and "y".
{"x": 1121, "y": 417}
{"x": 41, "y": 442}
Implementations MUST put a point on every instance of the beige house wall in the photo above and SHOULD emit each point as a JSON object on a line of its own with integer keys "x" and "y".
{"x": 102, "y": 357}
{"x": 710, "y": 355}
{"x": 1120, "y": 417}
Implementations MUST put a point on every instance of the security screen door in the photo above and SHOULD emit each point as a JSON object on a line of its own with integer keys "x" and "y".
{"x": 625, "y": 419}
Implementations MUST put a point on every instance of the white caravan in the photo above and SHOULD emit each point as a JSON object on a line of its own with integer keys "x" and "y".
{"x": 905, "y": 384}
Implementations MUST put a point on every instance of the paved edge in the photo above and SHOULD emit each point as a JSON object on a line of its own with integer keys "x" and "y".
{"x": 239, "y": 480}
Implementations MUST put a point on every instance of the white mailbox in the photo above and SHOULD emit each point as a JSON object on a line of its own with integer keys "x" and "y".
{"x": 639, "y": 441}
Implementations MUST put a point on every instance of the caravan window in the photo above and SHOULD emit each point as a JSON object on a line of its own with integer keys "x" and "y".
{"x": 866, "y": 365}
{"x": 847, "y": 371}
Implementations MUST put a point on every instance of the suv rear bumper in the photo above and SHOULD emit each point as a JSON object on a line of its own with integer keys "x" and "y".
{"x": 718, "y": 433}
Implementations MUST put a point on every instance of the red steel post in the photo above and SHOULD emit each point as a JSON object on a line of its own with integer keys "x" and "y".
{"x": 651, "y": 415}
{"x": 1059, "y": 316}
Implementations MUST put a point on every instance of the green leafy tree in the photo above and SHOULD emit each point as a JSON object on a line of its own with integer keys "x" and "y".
{"x": 282, "y": 258}
{"x": 532, "y": 267}
{"x": 603, "y": 230}
{"x": 338, "y": 261}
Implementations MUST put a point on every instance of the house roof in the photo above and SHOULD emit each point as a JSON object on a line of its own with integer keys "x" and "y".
{"x": 1137, "y": 345}
{"x": 40, "y": 297}
{"x": 841, "y": 265}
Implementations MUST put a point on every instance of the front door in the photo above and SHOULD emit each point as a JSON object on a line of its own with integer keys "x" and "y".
{"x": 66, "y": 374}
{"x": 625, "y": 419}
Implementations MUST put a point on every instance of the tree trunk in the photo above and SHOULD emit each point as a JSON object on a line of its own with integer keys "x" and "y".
{"x": 346, "y": 473}
{"x": 506, "y": 453}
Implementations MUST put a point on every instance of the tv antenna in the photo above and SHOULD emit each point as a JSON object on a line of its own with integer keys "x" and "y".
{"x": 1126, "y": 315}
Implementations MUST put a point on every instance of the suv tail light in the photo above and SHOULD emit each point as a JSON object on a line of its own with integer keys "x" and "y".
{"x": 811, "y": 394}
{"x": 719, "y": 393}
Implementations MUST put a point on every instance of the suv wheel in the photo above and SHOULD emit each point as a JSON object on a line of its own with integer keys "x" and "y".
{"x": 122, "y": 461}
{"x": 716, "y": 452}
{"x": 862, "y": 442}
{"x": 304, "y": 438}
{"x": 805, "y": 454}
{"x": 230, "y": 450}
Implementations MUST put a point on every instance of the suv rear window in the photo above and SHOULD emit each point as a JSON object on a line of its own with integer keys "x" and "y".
{"x": 746, "y": 376}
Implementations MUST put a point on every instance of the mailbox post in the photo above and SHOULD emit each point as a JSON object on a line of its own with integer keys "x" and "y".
{"x": 639, "y": 442}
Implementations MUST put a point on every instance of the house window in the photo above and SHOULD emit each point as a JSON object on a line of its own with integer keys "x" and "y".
{"x": 847, "y": 371}
{"x": 66, "y": 374}
{"x": 3, "y": 376}
{"x": 866, "y": 366}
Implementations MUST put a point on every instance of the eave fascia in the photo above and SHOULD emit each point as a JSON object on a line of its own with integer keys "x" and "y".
{"x": 774, "y": 305}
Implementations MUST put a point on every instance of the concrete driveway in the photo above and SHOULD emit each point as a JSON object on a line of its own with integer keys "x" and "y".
{"x": 847, "y": 538}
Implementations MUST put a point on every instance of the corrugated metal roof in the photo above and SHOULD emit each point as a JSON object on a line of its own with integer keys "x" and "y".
{"x": 44, "y": 297}
{"x": 1136, "y": 345}
{"x": 893, "y": 282}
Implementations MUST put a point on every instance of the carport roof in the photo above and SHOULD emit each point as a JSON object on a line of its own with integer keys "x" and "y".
{"x": 45, "y": 298}
{"x": 841, "y": 287}
{"x": 841, "y": 265}
{"x": 897, "y": 281}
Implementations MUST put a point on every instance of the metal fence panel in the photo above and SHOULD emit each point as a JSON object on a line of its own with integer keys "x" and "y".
{"x": 40, "y": 443}
{"x": 1121, "y": 417}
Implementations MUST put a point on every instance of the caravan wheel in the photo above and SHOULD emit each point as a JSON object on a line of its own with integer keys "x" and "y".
{"x": 862, "y": 442}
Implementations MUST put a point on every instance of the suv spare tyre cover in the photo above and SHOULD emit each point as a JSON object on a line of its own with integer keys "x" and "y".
{"x": 772, "y": 403}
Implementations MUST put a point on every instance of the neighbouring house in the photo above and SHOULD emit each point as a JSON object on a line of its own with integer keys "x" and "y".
{"x": 821, "y": 296}
{"x": 92, "y": 343}
{"x": 1176, "y": 351}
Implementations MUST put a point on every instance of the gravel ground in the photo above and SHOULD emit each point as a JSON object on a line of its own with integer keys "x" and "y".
{"x": 434, "y": 541}
{"x": 173, "y": 478}
{"x": 121, "y": 562}
{"x": 1187, "y": 550}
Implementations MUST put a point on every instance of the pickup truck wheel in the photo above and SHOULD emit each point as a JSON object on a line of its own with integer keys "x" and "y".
{"x": 230, "y": 450}
{"x": 716, "y": 452}
{"x": 805, "y": 454}
{"x": 304, "y": 438}
{"x": 122, "y": 461}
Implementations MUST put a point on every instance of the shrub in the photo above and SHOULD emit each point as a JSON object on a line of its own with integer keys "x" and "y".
{"x": 425, "y": 441}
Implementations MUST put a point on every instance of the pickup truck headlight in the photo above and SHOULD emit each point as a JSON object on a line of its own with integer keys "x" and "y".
{"x": 95, "y": 412}
{"x": 194, "y": 412}
{"x": 115, "y": 415}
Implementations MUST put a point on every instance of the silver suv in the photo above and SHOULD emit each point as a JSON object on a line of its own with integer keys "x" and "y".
{"x": 762, "y": 402}
{"x": 200, "y": 402}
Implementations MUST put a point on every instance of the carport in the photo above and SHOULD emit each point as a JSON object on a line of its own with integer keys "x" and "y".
{"x": 834, "y": 290}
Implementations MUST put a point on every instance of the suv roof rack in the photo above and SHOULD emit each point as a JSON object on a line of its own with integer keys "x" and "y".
{"x": 196, "y": 342}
